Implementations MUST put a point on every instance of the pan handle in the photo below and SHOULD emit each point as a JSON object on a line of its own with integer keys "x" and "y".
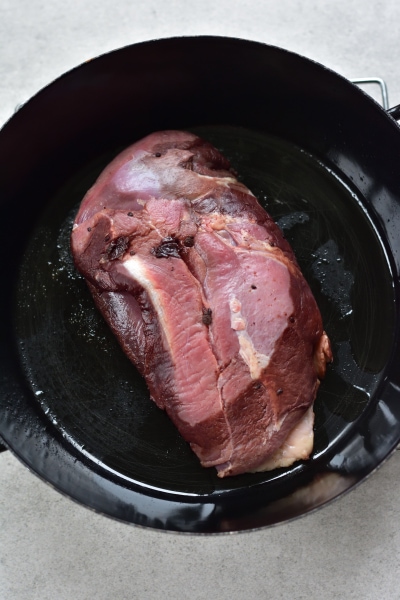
{"x": 395, "y": 110}
{"x": 382, "y": 85}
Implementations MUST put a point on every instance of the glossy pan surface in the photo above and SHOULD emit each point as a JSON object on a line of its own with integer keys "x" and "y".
{"x": 321, "y": 158}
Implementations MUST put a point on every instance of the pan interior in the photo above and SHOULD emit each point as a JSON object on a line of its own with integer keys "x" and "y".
{"x": 94, "y": 398}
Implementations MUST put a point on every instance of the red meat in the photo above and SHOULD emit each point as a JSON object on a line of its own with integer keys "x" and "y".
{"x": 206, "y": 298}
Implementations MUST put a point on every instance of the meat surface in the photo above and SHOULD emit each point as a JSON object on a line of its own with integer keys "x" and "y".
{"x": 206, "y": 298}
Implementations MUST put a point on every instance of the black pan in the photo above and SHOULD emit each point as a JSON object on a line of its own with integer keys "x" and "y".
{"x": 321, "y": 156}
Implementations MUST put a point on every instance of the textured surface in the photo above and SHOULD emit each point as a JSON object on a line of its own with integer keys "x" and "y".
{"x": 52, "y": 548}
{"x": 245, "y": 344}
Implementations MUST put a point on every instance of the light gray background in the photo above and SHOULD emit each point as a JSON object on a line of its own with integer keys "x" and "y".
{"x": 51, "y": 548}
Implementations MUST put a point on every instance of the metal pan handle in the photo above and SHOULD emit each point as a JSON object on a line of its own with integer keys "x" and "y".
{"x": 382, "y": 85}
{"x": 395, "y": 110}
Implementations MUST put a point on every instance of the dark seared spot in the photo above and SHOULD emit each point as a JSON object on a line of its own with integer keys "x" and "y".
{"x": 132, "y": 253}
{"x": 279, "y": 391}
{"x": 207, "y": 316}
{"x": 107, "y": 238}
{"x": 169, "y": 246}
{"x": 291, "y": 319}
{"x": 130, "y": 214}
{"x": 157, "y": 154}
{"x": 188, "y": 241}
{"x": 89, "y": 229}
{"x": 253, "y": 287}
{"x": 117, "y": 247}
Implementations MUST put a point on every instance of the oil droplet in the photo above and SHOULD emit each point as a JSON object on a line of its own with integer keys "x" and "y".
{"x": 336, "y": 283}
{"x": 295, "y": 218}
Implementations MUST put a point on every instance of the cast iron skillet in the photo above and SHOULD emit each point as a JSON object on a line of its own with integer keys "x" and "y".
{"x": 323, "y": 159}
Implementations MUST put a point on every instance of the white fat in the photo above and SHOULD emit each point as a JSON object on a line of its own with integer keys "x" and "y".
{"x": 137, "y": 269}
{"x": 256, "y": 361}
{"x": 227, "y": 180}
{"x": 218, "y": 222}
{"x": 297, "y": 446}
{"x": 221, "y": 180}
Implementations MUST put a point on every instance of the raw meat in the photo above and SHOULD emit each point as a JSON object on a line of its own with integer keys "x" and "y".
{"x": 206, "y": 298}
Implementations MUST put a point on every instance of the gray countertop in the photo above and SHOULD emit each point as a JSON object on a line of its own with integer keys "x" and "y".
{"x": 51, "y": 547}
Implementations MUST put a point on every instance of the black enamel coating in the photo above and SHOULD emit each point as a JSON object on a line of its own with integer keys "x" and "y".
{"x": 322, "y": 158}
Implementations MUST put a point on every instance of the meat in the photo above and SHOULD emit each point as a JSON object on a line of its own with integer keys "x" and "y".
{"x": 206, "y": 298}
